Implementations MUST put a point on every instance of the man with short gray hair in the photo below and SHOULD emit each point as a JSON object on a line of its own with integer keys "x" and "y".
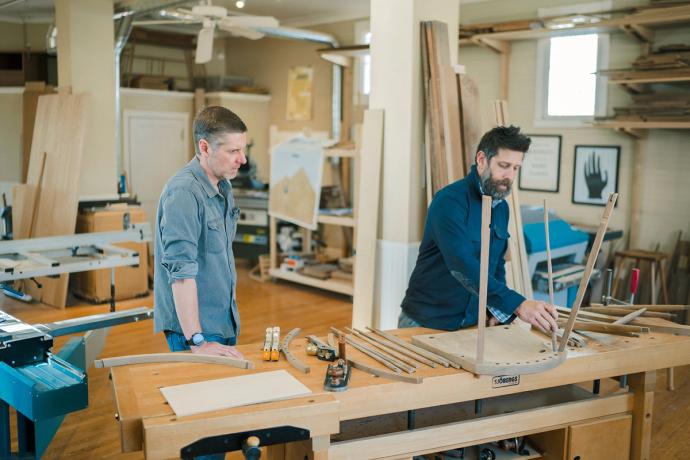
{"x": 195, "y": 278}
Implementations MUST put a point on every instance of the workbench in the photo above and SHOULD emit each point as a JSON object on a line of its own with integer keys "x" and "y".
{"x": 374, "y": 418}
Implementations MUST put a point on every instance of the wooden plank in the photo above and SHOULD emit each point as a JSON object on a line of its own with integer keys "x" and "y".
{"x": 60, "y": 130}
{"x": 483, "y": 277}
{"x": 509, "y": 350}
{"x": 608, "y": 328}
{"x": 451, "y": 124}
{"x": 652, "y": 308}
{"x": 212, "y": 395}
{"x": 32, "y": 91}
{"x": 591, "y": 260}
{"x": 471, "y": 119}
{"x": 368, "y": 219}
{"x": 23, "y": 199}
{"x": 172, "y": 358}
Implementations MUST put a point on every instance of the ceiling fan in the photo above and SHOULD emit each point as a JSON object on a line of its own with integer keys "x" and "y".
{"x": 210, "y": 17}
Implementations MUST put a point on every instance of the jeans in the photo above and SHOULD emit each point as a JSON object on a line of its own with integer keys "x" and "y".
{"x": 176, "y": 342}
{"x": 404, "y": 321}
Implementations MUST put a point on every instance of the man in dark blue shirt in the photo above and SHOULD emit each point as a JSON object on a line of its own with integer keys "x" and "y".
{"x": 444, "y": 286}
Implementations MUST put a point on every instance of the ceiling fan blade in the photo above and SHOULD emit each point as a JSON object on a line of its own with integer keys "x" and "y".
{"x": 204, "y": 45}
{"x": 244, "y": 32}
{"x": 249, "y": 21}
{"x": 160, "y": 22}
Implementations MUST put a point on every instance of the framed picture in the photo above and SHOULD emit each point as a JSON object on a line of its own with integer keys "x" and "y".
{"x": 595, "y": 173}
{"x": 541, "y": 170}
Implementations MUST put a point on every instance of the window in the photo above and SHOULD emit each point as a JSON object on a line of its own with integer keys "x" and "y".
{"x": 568, "y": 90}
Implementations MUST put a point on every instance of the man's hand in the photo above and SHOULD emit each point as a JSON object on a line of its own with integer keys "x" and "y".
{"x": 539, "y": 314}
{"x": 214, "y": 348}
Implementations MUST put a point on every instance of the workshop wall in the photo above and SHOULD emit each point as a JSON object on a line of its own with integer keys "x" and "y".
{"x": 664, "y": 209}
{"x": 16, "y": 37}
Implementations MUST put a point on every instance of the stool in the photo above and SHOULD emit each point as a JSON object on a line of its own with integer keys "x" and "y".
{"x": 655, "y": 259}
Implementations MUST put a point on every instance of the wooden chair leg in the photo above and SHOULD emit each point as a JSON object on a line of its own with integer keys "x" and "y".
{"x": 670, "y": 379}
{"x": 653, "y": 295}
{"x": 662, "y": 276}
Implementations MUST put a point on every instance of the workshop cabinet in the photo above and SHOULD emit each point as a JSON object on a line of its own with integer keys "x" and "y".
{"x": 130, "y": 282}
{"x": 601, "y": 439}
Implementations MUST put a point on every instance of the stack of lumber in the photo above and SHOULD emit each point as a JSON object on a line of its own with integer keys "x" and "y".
{"x": 452, "y": 119}
{"x": 626, "y": 320}
{"x": 658, "y": 107}
{"x": 47, "y": 204}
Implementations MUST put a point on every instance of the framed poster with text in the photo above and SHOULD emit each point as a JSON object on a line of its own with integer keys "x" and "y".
{"x": 541, "y": 168}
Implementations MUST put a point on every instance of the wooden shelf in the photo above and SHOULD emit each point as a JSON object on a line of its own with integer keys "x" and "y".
{"x": 340, "y": 286}
{"x": 345, "y": 221}
{"x": 643, "y": 124}
{"x": 343, "y": 56}
{"x": 645, "y": 18}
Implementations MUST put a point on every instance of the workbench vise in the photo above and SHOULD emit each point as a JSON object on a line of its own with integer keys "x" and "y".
{"x": 44, "y": 387}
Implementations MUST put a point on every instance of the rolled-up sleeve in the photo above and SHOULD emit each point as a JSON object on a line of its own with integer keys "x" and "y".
{"x": 180, "y": 229}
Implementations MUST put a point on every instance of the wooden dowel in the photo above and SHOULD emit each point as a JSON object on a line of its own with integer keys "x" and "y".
{"x": 549, "y": 267}
{"x": 630, "y": 316}
{"x": 652, "y": 308}
{"x": 608, "y": 328}
{"x": 383, "y": 348}
{"x": 594, "y": 252}
{"x": 398, "y": 348}
{"x": 483, "y": 276}
{"x": 384, "y": 374}
{"x": 390, "y": 362}
{"x": 615, "y": 311}
{"x": 420, "y": 351}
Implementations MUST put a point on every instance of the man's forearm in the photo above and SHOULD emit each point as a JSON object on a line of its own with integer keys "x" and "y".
{"x": 187, "y": 305}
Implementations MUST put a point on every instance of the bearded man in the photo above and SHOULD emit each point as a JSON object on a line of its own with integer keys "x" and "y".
{"x": 444, "y": 286}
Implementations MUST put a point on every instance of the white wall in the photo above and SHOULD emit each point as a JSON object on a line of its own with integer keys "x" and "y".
{"x": 665, "y": 207}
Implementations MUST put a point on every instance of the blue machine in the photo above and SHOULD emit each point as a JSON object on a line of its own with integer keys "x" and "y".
{"x": 568, "y": 247}
{"x": 44, "y": 387}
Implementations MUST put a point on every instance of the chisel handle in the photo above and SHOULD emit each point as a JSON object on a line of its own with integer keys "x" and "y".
{"x": 634, "y": 283}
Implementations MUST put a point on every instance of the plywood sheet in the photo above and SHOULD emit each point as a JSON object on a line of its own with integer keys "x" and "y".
{"x": 211, "y": 395}
{"x": 59, "y": 133}
{"x": 508, "y": 350}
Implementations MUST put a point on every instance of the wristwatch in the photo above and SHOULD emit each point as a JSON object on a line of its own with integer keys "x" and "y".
{"x": 196, "y": 340}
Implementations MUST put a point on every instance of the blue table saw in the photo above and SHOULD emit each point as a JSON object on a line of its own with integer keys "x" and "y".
{"x": 568, "y": 247}
{"x": 44, "y": 387}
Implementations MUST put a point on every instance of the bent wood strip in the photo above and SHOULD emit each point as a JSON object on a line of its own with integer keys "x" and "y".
{"x": 626, "y": 311}
{"x": 655, "y": 308}
{"x": 420, "y": 351}
{"x": 177, "y": 357}
{"x": 384, "y": 374}
{"x": 285, "y": 349}
{"x": 593, "y": 254}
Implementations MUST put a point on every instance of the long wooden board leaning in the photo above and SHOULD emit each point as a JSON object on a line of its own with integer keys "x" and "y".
{"x": 508, "y": 349}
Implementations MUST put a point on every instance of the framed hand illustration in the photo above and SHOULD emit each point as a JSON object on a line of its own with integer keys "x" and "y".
{"x": 595, "y": 173}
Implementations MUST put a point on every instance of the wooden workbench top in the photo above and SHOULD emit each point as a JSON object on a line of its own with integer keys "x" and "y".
{"x": 141, "y": 406}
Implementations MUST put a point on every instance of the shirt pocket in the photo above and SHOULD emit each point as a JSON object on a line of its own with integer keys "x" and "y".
{"x": 232, "y": 224}
{"x": 215, "y": 235}
{"x": 499, "y": 241}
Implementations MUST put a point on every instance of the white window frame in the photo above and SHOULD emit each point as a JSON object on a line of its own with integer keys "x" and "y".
{"x": 541, "y": 117}
{"x": 362, "y": 28}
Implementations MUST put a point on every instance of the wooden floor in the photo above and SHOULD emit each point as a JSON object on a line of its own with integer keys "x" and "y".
{"x": 93, "y": 432}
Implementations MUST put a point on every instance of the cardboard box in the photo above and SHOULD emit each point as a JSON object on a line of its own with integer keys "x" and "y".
{"x": 130, "y": 282}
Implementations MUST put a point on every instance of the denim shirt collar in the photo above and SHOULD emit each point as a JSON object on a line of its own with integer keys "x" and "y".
{"x": 200, "y": 175}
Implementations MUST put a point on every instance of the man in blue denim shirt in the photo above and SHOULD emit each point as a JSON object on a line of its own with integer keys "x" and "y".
{"x": 443, "y": 289}
{"x": 195, "y": 278}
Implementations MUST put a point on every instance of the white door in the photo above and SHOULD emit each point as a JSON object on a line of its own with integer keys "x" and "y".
{"x": 156, "y": 147}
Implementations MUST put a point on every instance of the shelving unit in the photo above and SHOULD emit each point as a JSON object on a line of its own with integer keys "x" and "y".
{"x": 334, "y": 285}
